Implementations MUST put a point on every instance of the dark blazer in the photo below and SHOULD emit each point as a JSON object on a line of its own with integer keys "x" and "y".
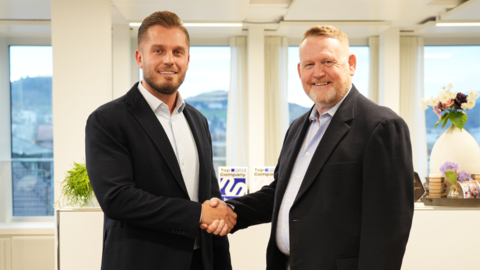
{"x": 354, "y": 208}
{"x": 150, "y": 222}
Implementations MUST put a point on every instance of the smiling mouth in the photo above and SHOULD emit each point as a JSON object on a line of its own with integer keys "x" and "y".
{"x": 321, "y": 84}
{"x": 168, "y": 72}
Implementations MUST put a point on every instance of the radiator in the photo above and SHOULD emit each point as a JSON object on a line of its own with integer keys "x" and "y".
{"x": 33, "y": 253}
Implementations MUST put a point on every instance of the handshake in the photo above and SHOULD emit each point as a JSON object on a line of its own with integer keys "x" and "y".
{"x": 217, "y": 217}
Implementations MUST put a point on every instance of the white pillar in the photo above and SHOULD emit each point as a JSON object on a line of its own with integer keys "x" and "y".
{"x": 82, "y": 75}
{"x": 389, "y": 69}
{"x": 134, "y": 70}
{"x": 121, "y": 59}
{"x": 5, "y": 135}
{"x": 256, "y": 96}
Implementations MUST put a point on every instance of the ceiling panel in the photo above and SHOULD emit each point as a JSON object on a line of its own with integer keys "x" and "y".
{"x": 467, "y": 11}
{"x": 25, "y": 9}
{"x": 188, "y": 10}
{"x": 349, "y": 9}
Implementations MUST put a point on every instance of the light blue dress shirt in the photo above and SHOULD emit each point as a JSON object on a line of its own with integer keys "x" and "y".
{"x": 318, "y": 126}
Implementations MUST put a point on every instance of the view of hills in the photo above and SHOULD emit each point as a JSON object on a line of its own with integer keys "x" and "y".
{"x": 214, "y": 105}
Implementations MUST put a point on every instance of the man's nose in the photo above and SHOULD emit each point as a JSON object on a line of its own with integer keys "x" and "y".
{"x": 168, "y": 58}
{"x": 318, "y": 71}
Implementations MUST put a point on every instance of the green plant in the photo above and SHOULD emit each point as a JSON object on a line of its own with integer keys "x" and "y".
{"x": 77, "y": 189}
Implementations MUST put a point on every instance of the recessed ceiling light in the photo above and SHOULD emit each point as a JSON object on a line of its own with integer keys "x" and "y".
{"x": 458, "y": 24}
{"x": 135, "y": 24}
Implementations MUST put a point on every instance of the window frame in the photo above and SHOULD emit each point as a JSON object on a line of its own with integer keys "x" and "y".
{"x": 6, "y": 185}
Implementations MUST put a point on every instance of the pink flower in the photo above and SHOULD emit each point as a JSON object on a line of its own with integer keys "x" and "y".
{"x": 437, "y": 111}
{"x": 448, "y": 103}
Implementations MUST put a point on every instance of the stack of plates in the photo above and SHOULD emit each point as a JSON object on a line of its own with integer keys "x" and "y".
{"x": 437, "y": 187}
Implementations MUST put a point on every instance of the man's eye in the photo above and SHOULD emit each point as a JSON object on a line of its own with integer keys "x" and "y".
{"x": 157, "y": 51}
{"x": 328, "y": 63}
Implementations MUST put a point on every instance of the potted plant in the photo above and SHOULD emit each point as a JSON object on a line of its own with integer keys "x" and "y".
{"x": 76, "y": 187}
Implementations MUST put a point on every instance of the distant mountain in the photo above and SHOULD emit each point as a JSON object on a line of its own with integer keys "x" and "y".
{"x": 213, "y": 96}
{"x": 214, "y": 105}
{"x": 295, "y": 110}
{"x": 33, "y": 94}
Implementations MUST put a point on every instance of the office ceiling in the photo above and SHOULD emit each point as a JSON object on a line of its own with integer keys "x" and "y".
{"x": 358, "y": 18}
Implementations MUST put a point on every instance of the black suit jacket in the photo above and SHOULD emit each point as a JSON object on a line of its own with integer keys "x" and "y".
{"x": 354, "y": 208}
{"x": 150, "y": 222}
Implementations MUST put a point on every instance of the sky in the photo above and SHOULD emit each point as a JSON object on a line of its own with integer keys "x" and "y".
{"x": 32, "y": 61}
{"x": 457, "y": 65}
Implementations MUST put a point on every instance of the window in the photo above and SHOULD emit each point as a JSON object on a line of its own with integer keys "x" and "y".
{"x": 456, "y": 65}
{"x": 299, "y": 102}
{"x": 206, "y": 88}
{"x": 31, "y": 130}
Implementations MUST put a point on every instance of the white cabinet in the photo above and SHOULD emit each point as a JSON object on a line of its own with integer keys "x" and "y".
{"x": 439, "y": 239}
{"x": 79, "y": 238}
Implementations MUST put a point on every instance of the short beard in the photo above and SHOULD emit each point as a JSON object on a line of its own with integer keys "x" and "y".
{"x": 333, "y": 96}
{"x": 323, "y": 98}
{"x": 166, "y": 89}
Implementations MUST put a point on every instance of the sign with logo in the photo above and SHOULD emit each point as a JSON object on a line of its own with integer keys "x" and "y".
{"x": 262, "y": 176}
{"x": 232, "y": 182}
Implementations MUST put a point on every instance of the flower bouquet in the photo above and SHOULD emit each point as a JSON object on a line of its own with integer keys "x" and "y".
{"x": 450, "y": 105}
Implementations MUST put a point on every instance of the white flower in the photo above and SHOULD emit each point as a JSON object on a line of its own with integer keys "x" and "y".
{"x": 423, "y": 106}
{"x": 469, "y": 104}
{"x": 432, "y": 101}
{"x": 444, "y": 96}
{"x": 452, "y": 95}
{"x": 472, "y": 94}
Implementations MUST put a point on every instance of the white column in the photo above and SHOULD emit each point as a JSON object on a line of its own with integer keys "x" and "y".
{"x": 82, "y": 75}
{"x": 389, "y": 69}
{"x": 121, "y": 59}
{"x": 5, "y": 135}
{"x": 256, "y": 96}
{"x": 134, "y": 77}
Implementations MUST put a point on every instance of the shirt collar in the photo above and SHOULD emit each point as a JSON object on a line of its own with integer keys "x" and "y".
{"x": 314, "y": 114}
{"x": 155, "y": 103}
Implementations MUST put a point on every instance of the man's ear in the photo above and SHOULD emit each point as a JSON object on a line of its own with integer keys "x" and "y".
{"x": 352, "y": 63}
{"x": 299, "y": 71}
{"x": 139, "y": 58}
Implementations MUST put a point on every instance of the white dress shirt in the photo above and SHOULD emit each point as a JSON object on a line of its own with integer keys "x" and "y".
{"x": 180, "y": 137}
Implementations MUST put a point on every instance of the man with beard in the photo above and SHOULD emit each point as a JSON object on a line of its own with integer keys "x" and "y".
{"x": 342, "y": 197}
{"x": 149, "y": 159}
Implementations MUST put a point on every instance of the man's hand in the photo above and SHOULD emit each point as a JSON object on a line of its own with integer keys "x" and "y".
{"x": 217, "y": 217}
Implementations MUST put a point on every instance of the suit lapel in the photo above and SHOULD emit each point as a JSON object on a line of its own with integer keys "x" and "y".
{"x": 335, "y": 132}
{"x": 200, "y": 141}
{"x": 289, "y": 154}
{"x": 147, "y": 119}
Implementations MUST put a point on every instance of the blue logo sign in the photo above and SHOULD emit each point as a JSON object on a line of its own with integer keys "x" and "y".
{"x": 231, "y": 187}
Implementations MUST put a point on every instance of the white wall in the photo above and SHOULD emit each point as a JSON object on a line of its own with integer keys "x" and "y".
{"x": 82, "y": 75}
